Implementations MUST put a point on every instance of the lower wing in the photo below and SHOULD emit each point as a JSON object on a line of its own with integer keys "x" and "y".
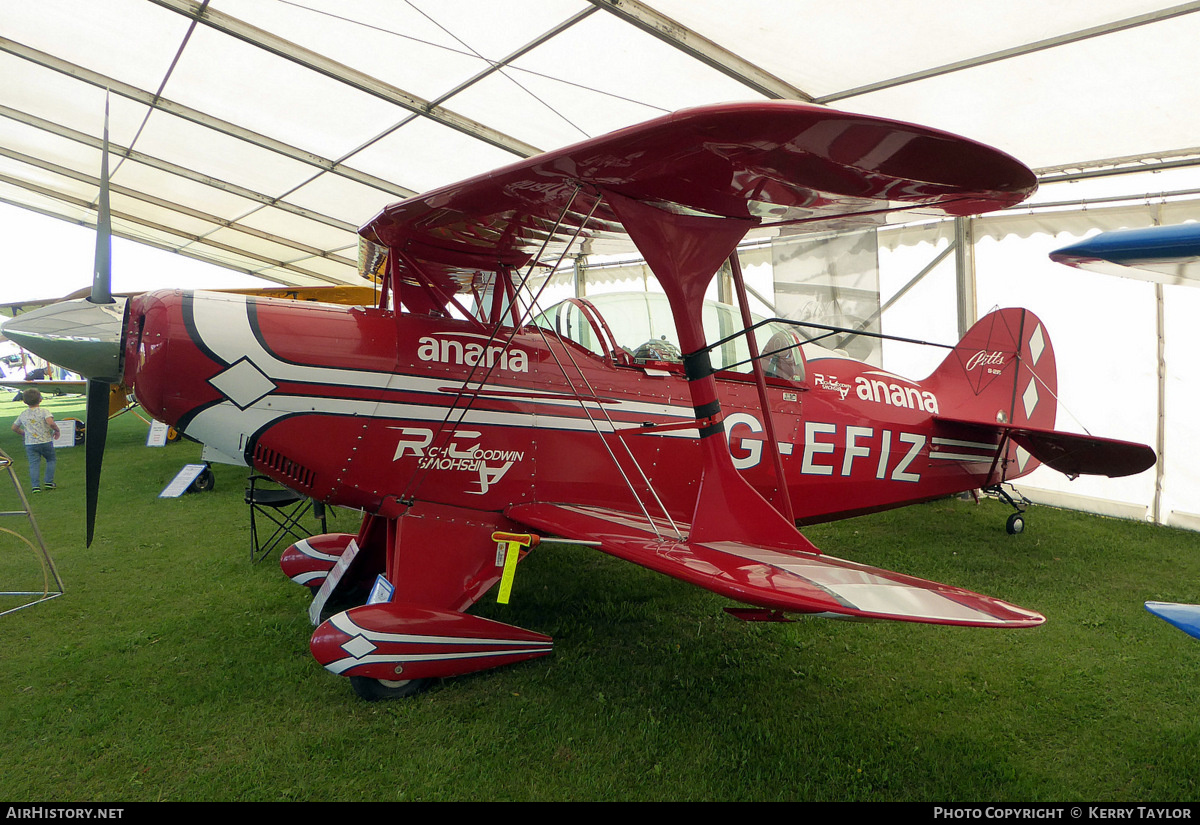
{"x": 76, "y": 387}
{"x": 792, "y": 582}
{"x": 1186, "y": 617}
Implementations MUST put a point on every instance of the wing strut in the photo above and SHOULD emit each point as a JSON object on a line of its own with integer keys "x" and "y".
{"x": 684, "y": 252}
{"x": 783, "y": 500}
{"x": 504, "y": 279}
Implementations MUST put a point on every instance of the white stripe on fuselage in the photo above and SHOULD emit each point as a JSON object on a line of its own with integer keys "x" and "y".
{"x": 222, "y": 323}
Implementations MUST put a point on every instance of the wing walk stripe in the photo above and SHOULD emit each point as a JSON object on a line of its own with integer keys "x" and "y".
{"x": 861, "y": 589}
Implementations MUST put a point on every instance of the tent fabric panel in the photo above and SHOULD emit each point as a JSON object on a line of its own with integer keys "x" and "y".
{"x": 222, "y": 156}
{"x": 422, "y": 154}
{"x": 1046, "y": 109}
{"x": 243, "y": 84}
{"x": 839, "y": 47}
{"x": 129, "y": 40}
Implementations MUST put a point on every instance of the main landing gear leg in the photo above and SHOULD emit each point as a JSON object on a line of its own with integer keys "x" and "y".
{"x": 1016, "y": 521}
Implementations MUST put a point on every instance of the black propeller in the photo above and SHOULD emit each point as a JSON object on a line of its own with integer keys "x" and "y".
{"x": 85, "y": 336}
{"x": 98, "y": 389}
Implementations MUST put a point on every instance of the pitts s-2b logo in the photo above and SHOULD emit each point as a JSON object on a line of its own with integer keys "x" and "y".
{"x": 990, "y": 361}
{"x": 460, "y": 455}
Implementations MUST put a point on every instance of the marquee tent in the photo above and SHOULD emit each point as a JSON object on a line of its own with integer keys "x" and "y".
{"x": 259, "y": 134}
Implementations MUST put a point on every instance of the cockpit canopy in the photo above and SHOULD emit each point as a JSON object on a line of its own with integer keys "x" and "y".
{"x": 637, "y": 329}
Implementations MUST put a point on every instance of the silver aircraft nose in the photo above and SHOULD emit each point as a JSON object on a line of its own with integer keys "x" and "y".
{"x": 79, "y": 335}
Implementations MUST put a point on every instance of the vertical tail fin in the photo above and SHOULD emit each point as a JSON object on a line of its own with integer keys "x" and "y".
{"x": 1001, "y": 372}
{"x": 1002, "y": 375}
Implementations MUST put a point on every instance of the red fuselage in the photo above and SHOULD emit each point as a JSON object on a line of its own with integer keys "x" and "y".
{"x": 369, "y": 409}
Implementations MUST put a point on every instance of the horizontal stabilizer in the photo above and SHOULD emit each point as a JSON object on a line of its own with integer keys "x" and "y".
{"x": 1186, "y": 617}
{"x": 1074, "y": 454}
{"x": 792, "y": 582}
{"x": 1079, "y": 455}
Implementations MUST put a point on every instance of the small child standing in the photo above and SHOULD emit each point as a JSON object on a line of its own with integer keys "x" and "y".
{"x": 39, "y": 429}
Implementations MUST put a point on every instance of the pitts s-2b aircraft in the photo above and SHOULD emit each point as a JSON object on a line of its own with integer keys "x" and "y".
{"x": 466, "y": 424}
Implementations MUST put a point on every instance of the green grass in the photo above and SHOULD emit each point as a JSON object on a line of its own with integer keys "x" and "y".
{"x": 174, "y": 669}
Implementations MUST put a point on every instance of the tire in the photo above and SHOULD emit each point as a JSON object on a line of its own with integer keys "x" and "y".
{"x": 1015, "y": 524}
{"x": 204, "y": 482}
{"x": 374, "y": 690}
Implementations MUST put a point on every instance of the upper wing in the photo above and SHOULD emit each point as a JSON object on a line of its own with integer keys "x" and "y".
{"x": 346, "y": 294}
{"x": 1163, "y": 254}
{"x": 763, "y": 164}
{"x": 791, "y": 582}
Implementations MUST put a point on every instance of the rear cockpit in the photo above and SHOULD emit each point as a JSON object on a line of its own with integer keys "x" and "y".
{"x": 636, "y": 329}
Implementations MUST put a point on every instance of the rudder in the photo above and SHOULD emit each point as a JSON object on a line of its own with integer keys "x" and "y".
{"x": 1001, "y": 372}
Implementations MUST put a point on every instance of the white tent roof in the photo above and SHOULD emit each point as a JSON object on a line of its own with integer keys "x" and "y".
{"x": 259, "y": 134}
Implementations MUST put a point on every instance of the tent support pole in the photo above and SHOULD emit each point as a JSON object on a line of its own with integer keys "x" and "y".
{"x": 1161, "y": 434}
{"x": 964, "y": 271}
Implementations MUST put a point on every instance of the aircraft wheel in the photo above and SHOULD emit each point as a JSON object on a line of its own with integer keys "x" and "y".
{"x": 373, "y": 690}
{"x": 205, "y": 481}
{"x": 1015, "y": 524}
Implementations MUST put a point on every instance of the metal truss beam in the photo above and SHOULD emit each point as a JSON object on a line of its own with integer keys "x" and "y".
{"x": 344, "y": 74}
{"x": 155, "y": 101}
{"x": 700, "y": 47}
{"x": 1017, "y": 51}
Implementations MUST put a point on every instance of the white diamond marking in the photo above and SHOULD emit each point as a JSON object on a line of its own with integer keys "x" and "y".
{"x": 359, "y": 646}
{"x": 1037, "y": 344}
{"x": 1022, "y": 458}
{"x": 242, "y": 383}
{"x": 1030, "y": 397}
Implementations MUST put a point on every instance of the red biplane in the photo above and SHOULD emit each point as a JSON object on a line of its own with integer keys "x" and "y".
{"x": 466, "y": 424}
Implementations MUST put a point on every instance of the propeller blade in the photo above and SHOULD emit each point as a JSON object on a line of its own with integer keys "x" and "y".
{"x": 86, "y": 336}
{"x": 102, "y": 271}
{"x": 97, "y": 432}
{"x": 98, "y": 390}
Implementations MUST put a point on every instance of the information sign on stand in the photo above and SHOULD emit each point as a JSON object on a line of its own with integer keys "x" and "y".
{"x": 66, "y": 434}
{"x": 180, "y": 484}
{"x": 158, "y": 434}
